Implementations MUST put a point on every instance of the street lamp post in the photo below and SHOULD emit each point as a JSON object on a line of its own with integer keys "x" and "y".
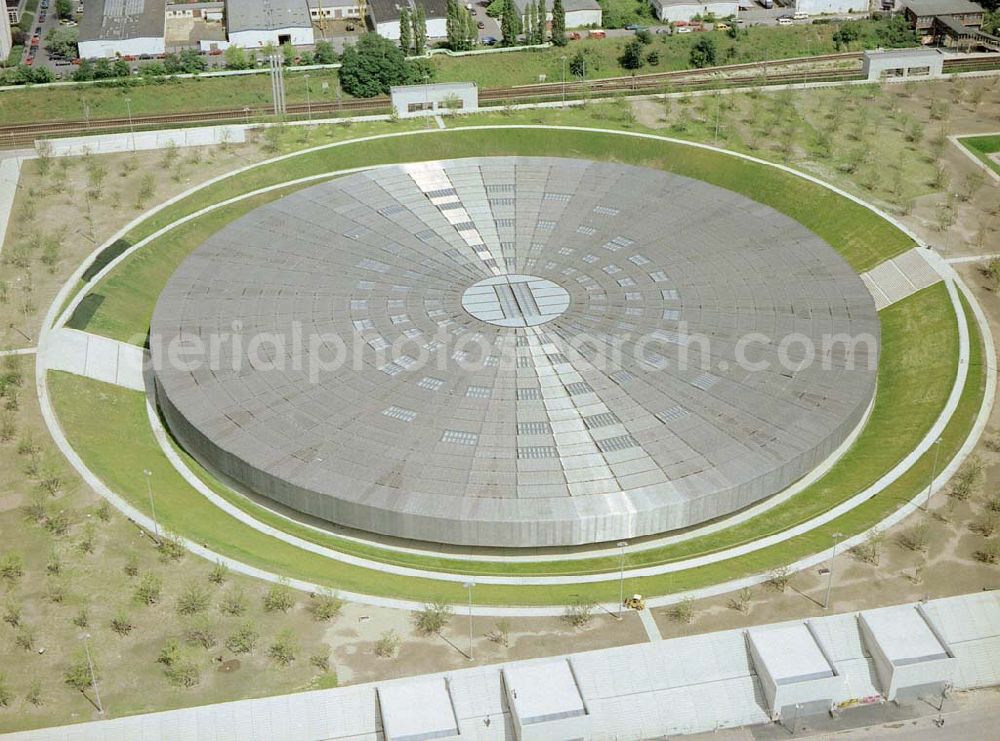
{"x": 930, "y": 484}
{"x": 621, "y": 575}
{"x": 131, "y": 127}
{"x": 469, "y": 585}
{"x": 93, "y": 676}
{"x": 152, "y": 505}
{"x": 829, "y": 579}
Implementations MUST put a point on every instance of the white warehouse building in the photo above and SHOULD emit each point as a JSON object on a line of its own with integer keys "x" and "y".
{"x": 685, "y": 10}
{"x": 579, "y": 13}
{"x": 254, "y": 23}
{"x": 385, "y": 16}
{"x": 122, "y": 28}
{"x": 818, "y": 7}
{"x": 333, "y": 10}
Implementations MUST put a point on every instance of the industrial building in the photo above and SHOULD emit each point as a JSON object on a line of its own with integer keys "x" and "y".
{"x": 321, "y": 10}
{"x": 820, "y": 7}
{"x": 469, "y": 416}
{"x": 254, "y": 23}
{"x": 911, "y": 657}
{"x": 684, "y": 10}
{"x": 579, "y": 13}
{"x": 5, "y": 37}
{"x": 385, "y": 16}
{"x": 901, "y": 64}
{"x": 697, "y": 684}
{"x": 111, "y": 28}
{"x": 796, "y": 674}
{"x": 444, "y": 97}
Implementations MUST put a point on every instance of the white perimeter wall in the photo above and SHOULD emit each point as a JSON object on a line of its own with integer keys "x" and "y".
{"x": 687, "y": 12}
{"x": 124, "y": 47}
{"x": 5, "y": 40}
{"x": 255, "y": 39}
{"x": 580, "y": 18}
{"x": 436, "y": 29}
{"x": 815, "y": 7}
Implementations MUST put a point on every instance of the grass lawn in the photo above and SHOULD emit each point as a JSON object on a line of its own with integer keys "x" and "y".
{"x": 161, "y": 96}
{"x": 155, "y": 96}
{"x": 85, "y": 407}
{"x": 983, "y": 147}
{"x": 121, "y": 305}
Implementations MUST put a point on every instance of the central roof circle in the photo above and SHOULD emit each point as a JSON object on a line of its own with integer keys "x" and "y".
{"x": 515, "y": 300}
{"x": 514, "y": 351}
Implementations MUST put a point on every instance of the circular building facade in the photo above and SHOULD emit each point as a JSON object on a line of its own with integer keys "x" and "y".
{"x": 514, "y": 352}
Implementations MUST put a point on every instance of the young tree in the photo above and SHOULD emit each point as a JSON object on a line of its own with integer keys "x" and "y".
{"x": 323, "y": 53}
{"x": 64, "y": 9}
{"x": 510, "y": 24}
{"x": 81, "y": 673}
{"x": 558, "y": 23}
{"x": 540, "y": 22}
{"x": 236, "y": 57}
{"x": 579, "y": 613}
{"x": 704, "y": 52}
{"x": 325, "y": 605}
{"x": 405, "y": 30}
{"x": 387, "y": 645}
{"x": 631, "y": 56}
{"x": 529, "y": 23}
{"x": 279, "y": 598}
{"x": 419, "y": 31}
{"x": 285, "y": 648}
{"x": 433, "y": 618}
{"x": 244, "y": 638}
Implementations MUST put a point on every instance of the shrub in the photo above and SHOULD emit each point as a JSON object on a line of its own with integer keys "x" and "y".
{"x": 131, "y": 567}
{"x": 433, "y": 618}
{"x": 12, "y": 613}
{"x": 779, "y": 578}
{"x": 683, "y": 611}
{"x": 5, "y": 694}
{"x": 990, "y": 552}
{"x": 579, "y": 613}
{"x": 279, "y": 598}
{"x": 325, "y": 605}
{"x": 321, "y": 660}
{"x": 148, "y": 590}
{"x": 243, "y": 639}
{"x": 103, "y": 511}
{"x": 201, "y": 631}
{"x": 11, "y": 567}
{"x": 916, "y": 538}
{"x": 387, "y": 645}
{"x": 34, "y": 694}
{"x": 25, "y": 638}
{"x": 183, "y": 672}
{"x": 742, "y": 600}
{"x": 55, "y": 590}
{"x": 121, "y": 623}
{"x": 233, "y": 602}
{"x": 170, "y": 548}
{"x": 82, "y": 618}
{"x": 284, "y": 648}
{"x": 501, "y": 633}
{"x": 987, "y": 523}
{"x": 78, "y": 673}
{"x": 220, "y": 571}
{"x": 192, "y": 600}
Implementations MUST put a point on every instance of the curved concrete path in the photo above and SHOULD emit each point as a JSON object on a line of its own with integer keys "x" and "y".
{"x": 937, "y": 428}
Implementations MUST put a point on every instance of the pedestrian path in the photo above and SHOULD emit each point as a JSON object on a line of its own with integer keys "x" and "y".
{"x": 96, "y": 357}
{"x": 902, "y": 276}
{"x": 650, "y": 625}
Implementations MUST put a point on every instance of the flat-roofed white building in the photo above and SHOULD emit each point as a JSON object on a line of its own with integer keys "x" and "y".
{"x": 579, "y": 13}
{"x": 911, "y": 659}
{"x": 893, "y": 64}
{"x": 254, "y": 23}
{"x": 685, "y": 10}
{"x": 333, "y": 10}
{"x": 545, "y": 701}
{"x": 417, "y": 709}
{"x": 386, "y": 14}
{"x": 111, "y": 28}
{"x": 796, "y": 674}
{"x": 443, "y": 97}
{"x": 819, "y": 7}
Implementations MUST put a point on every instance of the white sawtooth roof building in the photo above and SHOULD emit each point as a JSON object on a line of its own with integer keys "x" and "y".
{"x": 678, "y": 686}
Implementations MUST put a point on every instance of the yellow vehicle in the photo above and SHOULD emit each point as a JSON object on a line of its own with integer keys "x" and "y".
{"x": 635, "y": 602}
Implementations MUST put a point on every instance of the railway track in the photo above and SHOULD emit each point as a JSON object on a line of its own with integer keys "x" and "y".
{"x": 736, "y": 75}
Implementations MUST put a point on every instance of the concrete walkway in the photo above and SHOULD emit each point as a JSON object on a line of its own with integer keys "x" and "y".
{"x": 939, "y": 265}
{"x": 96, "y": 357}
{"x": 649, "y": 624}
{"x": 902, "y": 276}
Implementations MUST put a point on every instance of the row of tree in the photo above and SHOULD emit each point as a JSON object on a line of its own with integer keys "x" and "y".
{"x": 413, "y": 31}
{"x": 533, "y": 24}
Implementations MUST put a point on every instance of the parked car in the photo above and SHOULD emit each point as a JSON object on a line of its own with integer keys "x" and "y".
{"x": 800, "y": 16}
{"x": 574, "y": 36}
{"x": 489, "y": 40}
{"x": 785, "y": 20}
{"x": 683, "y": 29}
{"x": 596, "y": 33}
{"x": 480, "y": 25}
